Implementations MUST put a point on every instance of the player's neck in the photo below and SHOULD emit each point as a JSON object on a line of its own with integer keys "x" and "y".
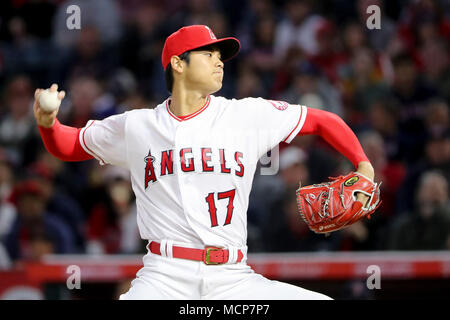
{"x": 184, "y": 102}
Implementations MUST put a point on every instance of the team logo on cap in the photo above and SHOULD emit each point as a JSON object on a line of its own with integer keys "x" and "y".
{"x": 213, "y": 37}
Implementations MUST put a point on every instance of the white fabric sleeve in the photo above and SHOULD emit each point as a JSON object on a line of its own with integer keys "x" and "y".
{"x": 105, "y": 140}
{"x": 274, "y": 121}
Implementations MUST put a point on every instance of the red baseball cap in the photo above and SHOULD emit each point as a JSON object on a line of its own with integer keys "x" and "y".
{"x": 194, "y": 37}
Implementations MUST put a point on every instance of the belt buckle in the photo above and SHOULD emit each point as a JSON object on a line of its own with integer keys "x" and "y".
{"x": 206, "y": 259}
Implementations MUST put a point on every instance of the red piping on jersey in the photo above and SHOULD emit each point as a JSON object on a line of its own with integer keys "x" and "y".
{"x": 189, "y": 116}
{"x": 84, "y": 142}
{"x": 299, "y": 119}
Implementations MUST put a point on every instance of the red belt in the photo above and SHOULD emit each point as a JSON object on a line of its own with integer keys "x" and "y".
{"x": 209, "y": 255}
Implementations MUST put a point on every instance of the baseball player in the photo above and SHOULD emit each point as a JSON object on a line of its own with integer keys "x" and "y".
{"x": 192, "y": 159}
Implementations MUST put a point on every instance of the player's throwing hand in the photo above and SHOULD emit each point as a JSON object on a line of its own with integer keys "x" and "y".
{"x": 45, "y": 118}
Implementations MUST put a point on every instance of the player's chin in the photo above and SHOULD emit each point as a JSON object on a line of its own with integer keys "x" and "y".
{"x": 217, "y": 85}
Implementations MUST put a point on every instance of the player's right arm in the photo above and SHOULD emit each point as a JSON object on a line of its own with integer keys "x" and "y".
{"x": 60, "y": 140}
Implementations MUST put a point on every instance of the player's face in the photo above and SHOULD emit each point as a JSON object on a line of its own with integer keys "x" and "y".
{"x": 204, "y": 71}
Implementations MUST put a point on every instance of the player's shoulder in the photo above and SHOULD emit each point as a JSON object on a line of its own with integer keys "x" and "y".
{"x": 133, "y": 116}
{"x": 241, "y": 102}
{"x": 139, "y": 112}
{"x": 146, "y": 111}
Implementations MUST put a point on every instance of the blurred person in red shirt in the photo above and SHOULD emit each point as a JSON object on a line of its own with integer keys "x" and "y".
{"x": 111, "y": 226}
{"x": 7, "y": 211}
{"x": 58, "y": 202}
{"x": 35, "y": 231}
{"x": 6, "y": 176}
{"x": 84, "y": 93}
{"x": 421, "y": 21}
{"x": 329, "y": 55}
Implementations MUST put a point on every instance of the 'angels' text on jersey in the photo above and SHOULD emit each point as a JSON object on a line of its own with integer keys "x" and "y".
{"x": 187, "y": 163}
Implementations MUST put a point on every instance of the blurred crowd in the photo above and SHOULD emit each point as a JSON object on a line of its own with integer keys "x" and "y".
{"x": 391, "y": 85}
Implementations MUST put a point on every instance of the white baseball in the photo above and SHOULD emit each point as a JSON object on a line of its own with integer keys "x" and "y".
{"x": 49, "y": 101}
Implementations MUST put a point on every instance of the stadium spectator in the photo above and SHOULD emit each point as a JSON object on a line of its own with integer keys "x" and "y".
{"x": 371, "y": 234}
{"x": 427, "y": 227}
{"x": 287, "y": 232}
{"x": 354, "y": 38}
{"x": 436, "y": 157}
{"x": 254, "y": 13}
{"x": 436, "y": 66}
{"x": 191, "y": 12}
{"x": 90, "y": 57}
{"x": 18, "y": 134}
{"x": 268, "y": 190}
{"x": 298, "y": 29}
{"x": 111, "y": 227}
{"x": 103, "y": 15}
{"x": 275, "y": 197}
{"x": 362, "y": 83}
{"x": 249, "y": 84}
{"x": 58, "y": 202}
{"x": 383, "y": 117}
{"x": 35, "y": 231}
{"x": 329, "y": 56}
{"x": 391, "y": 172}
{"x": 141, "y": 45}
{"x": 84, "y": 93}
{"x": 378, "y": 38}
{"x": 261, "y": 55}
{"x": 413, "y": 94}
{"x": 6, "y": 176}
{"x": 7, "y": 210}
{"x": 309, "y": 87}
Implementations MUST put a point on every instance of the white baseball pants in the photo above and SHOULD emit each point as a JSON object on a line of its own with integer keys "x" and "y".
{"x": 178, "y": 279}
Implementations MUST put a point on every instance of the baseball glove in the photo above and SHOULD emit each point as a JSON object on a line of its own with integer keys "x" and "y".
{"x": 331, "y": 206}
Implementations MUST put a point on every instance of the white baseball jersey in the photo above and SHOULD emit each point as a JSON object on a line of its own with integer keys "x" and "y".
{"x": 192, "y": 177}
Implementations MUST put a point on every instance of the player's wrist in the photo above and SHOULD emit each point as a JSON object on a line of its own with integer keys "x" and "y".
{"x": 47, "y": 123}
{"x": 366, "y": 169}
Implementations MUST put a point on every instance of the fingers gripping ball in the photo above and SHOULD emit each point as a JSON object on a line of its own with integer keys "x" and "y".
{"x": 331, "y": 206}
{"x": 49, "y": 101}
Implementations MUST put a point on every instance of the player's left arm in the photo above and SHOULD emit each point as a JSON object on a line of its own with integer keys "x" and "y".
{"x": 338, "y": 134}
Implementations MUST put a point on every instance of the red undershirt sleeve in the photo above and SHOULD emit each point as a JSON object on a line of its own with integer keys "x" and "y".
{"x": 335, "y": 132}
{"x": 62, "y": 142}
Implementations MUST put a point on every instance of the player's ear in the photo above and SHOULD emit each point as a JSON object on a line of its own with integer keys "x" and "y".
{"x": 177, "y": 64}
